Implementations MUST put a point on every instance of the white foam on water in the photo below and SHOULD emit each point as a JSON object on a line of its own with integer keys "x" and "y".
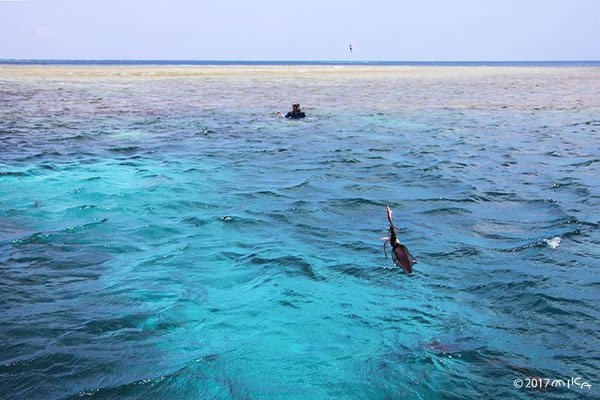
{"x": 554, "y": 242}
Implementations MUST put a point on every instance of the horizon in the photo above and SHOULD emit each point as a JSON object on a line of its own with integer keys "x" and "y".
{"x": 301, "y": 61}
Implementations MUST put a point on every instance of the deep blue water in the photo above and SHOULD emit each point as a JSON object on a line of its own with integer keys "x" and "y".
{"x": 577, "y": 63}
{"x": 172, "y": 238}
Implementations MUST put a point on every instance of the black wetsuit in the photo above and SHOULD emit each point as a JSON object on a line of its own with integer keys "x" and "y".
{"x": 295, "y": 115}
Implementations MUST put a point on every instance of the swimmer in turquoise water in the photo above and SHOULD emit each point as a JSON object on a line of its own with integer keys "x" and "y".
{"x": 296, "y": 113}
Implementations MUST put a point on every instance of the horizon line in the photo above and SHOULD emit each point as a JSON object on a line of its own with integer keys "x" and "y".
{"x": 146, "y": 60}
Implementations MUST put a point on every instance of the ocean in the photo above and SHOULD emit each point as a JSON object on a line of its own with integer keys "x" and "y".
{"x": 164, "y": 234}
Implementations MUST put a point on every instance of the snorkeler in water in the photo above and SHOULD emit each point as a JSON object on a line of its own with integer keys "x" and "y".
{"x": 296, "y": 113}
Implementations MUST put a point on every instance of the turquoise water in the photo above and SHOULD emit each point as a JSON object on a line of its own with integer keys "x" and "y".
{"x": 164, "y": 235}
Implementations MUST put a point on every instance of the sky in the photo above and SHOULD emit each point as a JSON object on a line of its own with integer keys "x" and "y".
{"x": 417, "y": 30}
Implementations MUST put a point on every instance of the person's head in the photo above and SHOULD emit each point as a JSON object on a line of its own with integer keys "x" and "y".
{"x": 295, "y": 107}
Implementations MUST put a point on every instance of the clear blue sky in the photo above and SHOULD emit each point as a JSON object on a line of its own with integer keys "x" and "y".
{"x": 418, "y": 30}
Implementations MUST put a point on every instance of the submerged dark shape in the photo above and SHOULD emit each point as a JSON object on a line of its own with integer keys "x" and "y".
{"x": 400, "y": 255}
{"x": 439, "y": 347}
{"x": 535, "y": 382}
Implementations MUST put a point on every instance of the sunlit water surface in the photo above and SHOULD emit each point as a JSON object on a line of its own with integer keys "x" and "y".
{"x": 163, "y": 234}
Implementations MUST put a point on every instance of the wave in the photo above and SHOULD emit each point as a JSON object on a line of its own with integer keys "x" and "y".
{"x": 125, "y": 149}
{"x": 291, "y": 266}
{"x": 355, "y": 202}
{"x": 592, "y": 122}
{"x": 262, "y": 193}
{"x": 301, "y": 185}
{"x": 341, "y": 161}
{"x": 43, "y": 237}
{"x": 585, "y": 163}
{"x": 13, "y": 173}
{"x": 74, "y": 137}
{"x": 205, "y": 377}
{"x": 446, "y": 211}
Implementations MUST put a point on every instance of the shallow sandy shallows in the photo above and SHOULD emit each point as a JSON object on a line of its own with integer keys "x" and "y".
{"x": 377, "y": 88}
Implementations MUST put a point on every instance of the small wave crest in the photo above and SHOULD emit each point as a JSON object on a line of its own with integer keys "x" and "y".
{"x": 554, "y": 242}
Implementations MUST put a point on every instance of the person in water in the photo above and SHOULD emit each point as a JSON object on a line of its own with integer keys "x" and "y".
{"x": 295, "y": 113}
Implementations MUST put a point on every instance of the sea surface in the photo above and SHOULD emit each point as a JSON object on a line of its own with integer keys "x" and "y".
{"x": 164, "y": 234}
